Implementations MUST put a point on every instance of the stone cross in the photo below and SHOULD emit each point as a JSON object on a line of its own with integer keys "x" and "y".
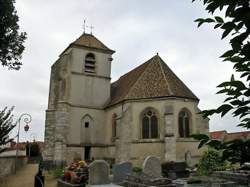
{"x": 152, "y": 166}
{"x": 84, "y": 26}
{"x": 91, "y": 28}
{"x": 99, "y": 172}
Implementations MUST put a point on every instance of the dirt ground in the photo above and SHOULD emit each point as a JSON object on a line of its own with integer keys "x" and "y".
{"x": 25, "y": 178}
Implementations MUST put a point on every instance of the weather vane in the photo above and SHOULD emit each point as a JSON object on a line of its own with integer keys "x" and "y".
{"x": 85, "y": 26}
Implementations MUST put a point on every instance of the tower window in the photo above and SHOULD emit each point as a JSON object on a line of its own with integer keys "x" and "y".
{"x": 86, "y": 124}
{"x": 90, "y": 63}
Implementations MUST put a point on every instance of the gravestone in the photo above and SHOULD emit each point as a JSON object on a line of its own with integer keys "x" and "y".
{"x": 152, "y": 166}
{"x": 188, "y": 159}
{"x": 120, "y": 171}
{"x": 99, "y": 172}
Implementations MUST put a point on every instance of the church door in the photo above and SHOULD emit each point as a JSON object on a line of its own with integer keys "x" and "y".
{"x": 87, "y": 153}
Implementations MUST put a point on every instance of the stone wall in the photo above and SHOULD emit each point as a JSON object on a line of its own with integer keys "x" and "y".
{"x": 168, "y": 146}
{"x": 7, "y": 164}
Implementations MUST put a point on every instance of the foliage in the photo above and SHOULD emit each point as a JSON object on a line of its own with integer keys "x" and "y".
{"x": 234, "y": 151}
{"x": 137, "y": 169}
{"x": 11, "y": 41}
{"x": 236, "y": 27}
{"x": 6, "y": 125}
{"x": 58, "y": 172}
{"x": 34, "y": 149}
{"x": 210, "y": 161}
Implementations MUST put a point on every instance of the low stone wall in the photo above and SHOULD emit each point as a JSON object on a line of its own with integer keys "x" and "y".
{"x": 7, "y": 164}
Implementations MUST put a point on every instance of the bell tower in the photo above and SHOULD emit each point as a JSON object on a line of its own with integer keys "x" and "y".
{"x": 90, "y": 72}
{"x": 79, "y": 91}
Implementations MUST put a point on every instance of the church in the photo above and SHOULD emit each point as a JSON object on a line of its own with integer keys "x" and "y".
{"x": 147, "y": 111}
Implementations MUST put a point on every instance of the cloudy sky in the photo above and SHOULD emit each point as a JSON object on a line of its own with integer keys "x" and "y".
{"x": 135, "y": 29}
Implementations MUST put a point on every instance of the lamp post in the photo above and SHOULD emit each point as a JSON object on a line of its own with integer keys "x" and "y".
{"x": 27, "y": 119}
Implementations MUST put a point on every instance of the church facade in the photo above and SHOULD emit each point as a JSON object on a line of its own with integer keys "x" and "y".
{"x": 147, "y": 111}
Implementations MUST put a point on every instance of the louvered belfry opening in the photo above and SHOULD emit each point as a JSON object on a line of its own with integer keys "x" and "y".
{"x": 90, "y": 63}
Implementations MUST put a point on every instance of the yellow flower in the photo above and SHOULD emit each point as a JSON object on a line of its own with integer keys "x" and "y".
{"x": 82, "y": 162}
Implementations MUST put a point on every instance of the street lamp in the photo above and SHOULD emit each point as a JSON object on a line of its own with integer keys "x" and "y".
{"x": 27, "y": 119}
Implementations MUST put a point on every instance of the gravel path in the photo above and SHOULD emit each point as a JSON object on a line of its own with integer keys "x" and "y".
{"x": 25, "y": 178}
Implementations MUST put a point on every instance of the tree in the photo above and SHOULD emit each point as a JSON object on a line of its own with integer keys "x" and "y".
{"x": 6, "y": 125}
{"x": 236, "y": 27}
{"x": 11, "y": 41}
{"x": 32, "y": 149}
{"x": 210, "y": 161}
{"x": 234, "y": 151}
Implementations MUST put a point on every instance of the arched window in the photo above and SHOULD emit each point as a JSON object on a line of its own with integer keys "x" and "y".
{"x": 184, "y": 124}
{"x": 114, "y": 126}
{"x": 90, "y": 63}
{"x": 149, "y": 124}
{"x": 86, "y": 129}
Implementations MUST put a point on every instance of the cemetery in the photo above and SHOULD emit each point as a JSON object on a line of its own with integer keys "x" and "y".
{"x": 100, "y": 173}
{"x": 142, "y": 115}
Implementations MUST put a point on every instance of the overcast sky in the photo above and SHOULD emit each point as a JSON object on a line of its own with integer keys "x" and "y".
{"x": 135, "y": 29}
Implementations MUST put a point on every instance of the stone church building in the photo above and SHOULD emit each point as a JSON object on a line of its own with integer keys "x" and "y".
{"x": 147, "y": 111}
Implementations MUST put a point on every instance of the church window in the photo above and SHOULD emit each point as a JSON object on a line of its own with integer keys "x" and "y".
{"x": 149, "y": 125}
{"x": 86, "y": 132}
{"x": 184, "y": 124}
{"x": 114, "y": 125}
{"x": 86, "y": 124}
{"x": 90, "y": 63}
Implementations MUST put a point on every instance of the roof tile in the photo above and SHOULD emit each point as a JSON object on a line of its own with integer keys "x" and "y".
{"x": 89, "y": 41}
{"x": 149, "y": 80}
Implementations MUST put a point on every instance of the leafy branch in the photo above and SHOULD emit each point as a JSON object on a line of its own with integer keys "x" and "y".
{"x": 11, "y": 40}
{"x": 6, "y": 125}
{"x": 236, "y": 27}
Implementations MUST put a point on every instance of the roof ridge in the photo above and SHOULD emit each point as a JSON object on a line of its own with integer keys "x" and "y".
{"x": 218, "y": 131}
{"x": 177, "y": 78}
{"x": 131, "y": 87}
{"x": 128, "y": 73}
{"x": 133, "y": 70}
{"x": 164, "y": 75}
{"x": 101, "y": 42}
{"x": 238, "y": 132}
{"x": 151, "y": 79}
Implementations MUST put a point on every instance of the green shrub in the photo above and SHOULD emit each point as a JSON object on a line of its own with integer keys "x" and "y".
{"x": 211, "y": 161}
{"x": 137, "y": 169}
{"x": 32, "y": 149}
{"x": 58, "y": 172}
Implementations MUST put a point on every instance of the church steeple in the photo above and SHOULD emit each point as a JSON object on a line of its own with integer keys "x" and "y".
{"x": 90, "y": 70}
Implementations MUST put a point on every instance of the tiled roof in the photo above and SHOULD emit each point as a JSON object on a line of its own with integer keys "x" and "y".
{"x": 217, "y": 134}
{"x": 150, "y": 80}
{"x": 89, "y": 41}
{"x": 223, "y": 135}
{"x": 238, "y": 135}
